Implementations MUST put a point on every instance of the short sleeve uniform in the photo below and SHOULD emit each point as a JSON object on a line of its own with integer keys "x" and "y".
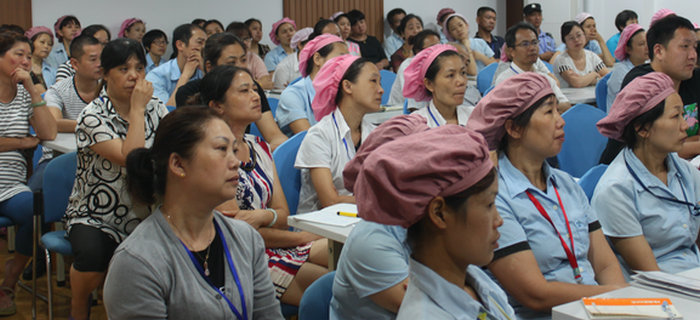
{"x": 287, "y": 70}
{"x": 274, "y": 57}
{"x": 374, "y": 258}
{"x": 547, "y": 43}
{"x": 615, "y": 81}
{"x": 328, "y": 144}
{"x": 479, "y": 45}
{"x": 430, "y": 296}
{"x": 435, "y": 119}
{"x": 563, "y": 62}
{"x": 165, "y": 77}
{"x": 626, "y": 209}
{"x": 295, "y": 104}
{"x": 99, "y": 198}
{"x": 58, "y": 55}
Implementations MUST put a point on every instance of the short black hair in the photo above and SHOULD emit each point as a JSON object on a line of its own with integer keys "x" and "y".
{"x": 77, "y": 45}
{"x": 11, "y": 27}
{"x": 402, "y": 26}
{"x": 250, "y": 21}
{"x": 663, "y": 30}
{"x": 622, "y": 18}
{"x": 355, "y": 16}
{"x": 483, "y": 10}
{"x": 318, "y": 27}
{"x": 95, "y": 28}
{"x": 117, "y": 52}
{"x": 213, "y": 21}
{"x": 216, "y": 44}
{"x": 567, "y": 27}
{"x": 239, "y": 29}
{"x": 198, "y": 21}
{"x": 151, "y": 36}
{"x": 394, "y": 12}
{"x": 183, "y": 33}
{"x": 419, "y": 39}
{"x": 510, "y": 34}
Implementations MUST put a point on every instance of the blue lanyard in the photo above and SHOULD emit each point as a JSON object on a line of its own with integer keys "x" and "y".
{"x": 231, "y": 266}
{"x": 693, "y": 209}
{"x": 432, "y": 116}
{"x": 345, "y": 142}
{"x": 511, "y": 68}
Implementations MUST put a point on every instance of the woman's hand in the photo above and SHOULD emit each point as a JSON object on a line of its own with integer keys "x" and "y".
{"x": 20, "y": 75}
{"x": 142, "y": 94}
{"x": 255, "y": 218}
{"x": 29, "y": 142}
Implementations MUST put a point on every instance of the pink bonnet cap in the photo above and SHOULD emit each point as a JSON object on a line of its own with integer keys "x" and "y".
{"x": 625, "y": 36}
{"x": 273, "y": 32}
{"x": 636, "y": 98}
{"x": 335, "y": 15}
{"x": 300, "y": 36}
{"x": 31, "y": 32}
{"x": 662, "y": 13}
{"x": 127, "y": 24}
{"x": 507, "y": 100}
{"x": 443, "y": 12}
{"x": 326, "y": 84}
{"x": 414, "y": 74}
{"x": 312, "y": 47}
{"x": 444, "y": 25}
{"x": 581, "y": 17}
{"x": 395, "y": 189}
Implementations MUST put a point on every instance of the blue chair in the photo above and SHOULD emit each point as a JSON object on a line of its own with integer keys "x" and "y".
{"x": 387, "y": 81}
{"x": 405, "y": 107}
{"x": 549, "y": 66}
{"x": 601, "y": 92}
{"x": 316, "y": 301}
{"x": 583, "y": 144}
{"x": 290, "y": 177}
{"x": 484, "y": 78}
{"x": 57, "y": 186}
{"x": 170, "y": 108}
{"x": 488, "y": 90}
{"x": 273, "y": 102}
{"x": 590, "y": 179}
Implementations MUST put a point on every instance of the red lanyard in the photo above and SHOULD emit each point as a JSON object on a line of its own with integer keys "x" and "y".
{"x": 569, "y": 252}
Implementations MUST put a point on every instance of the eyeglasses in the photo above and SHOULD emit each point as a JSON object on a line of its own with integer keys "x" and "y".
{"x": 160, "y": 42}
{"x": 526, "y": 44}
{"x": 575, "y": 36}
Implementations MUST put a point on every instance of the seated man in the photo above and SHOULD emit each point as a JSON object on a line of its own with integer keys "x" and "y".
{"x": 522, "y": 45}
{"x": 393, "y": 40}
{"x": 486, "y": 22}
{"x": 188, "y": 41}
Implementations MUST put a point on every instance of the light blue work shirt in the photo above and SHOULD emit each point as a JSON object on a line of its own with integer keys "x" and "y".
{"x": 480, "y": 45}
{"x": 295, "y": 104}
{"x": 430, "y": 296}
{"x": 150, "y": 65}
{"x": 374, "y": 258}
{"x": 547, "y": 43}
{"x": 524, "y": 225}
{"x": 58, "y": 55}
{"x": 618, "y": 73}
{"x": 164, "y": 78}
{"x": 48, "y": 72}
{"x": 274, "y": 57}
{"x": 612, "y": 43}
{"x": 392, "y": 43}
{"x": 592, "y": 45}
{"x": 627, "y": 210}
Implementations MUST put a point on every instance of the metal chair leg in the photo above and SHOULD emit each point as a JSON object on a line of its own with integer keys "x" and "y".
{"x": 48, "y": 283}
{"x": 11, "y": 239}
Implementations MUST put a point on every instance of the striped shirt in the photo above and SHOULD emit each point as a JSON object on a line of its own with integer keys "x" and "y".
{"x": 14, "y": 123}
{"x": 64, "y": 71}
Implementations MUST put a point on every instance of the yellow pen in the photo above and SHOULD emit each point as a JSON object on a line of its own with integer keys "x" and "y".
{"x": 347, "y": 214}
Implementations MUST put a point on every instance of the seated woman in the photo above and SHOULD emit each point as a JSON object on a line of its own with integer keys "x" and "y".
{"x": 41, "y": 41}
{"x": 448, "y": 207}
{"x": 345, "y": 28}
{"x": 100, "y": 213}
{"x": 438, "y": 74}
{"x": 296, "y": 259}
{"x": 647, "y": 198}
{"x": 347, "y": 88}
{"x": 577, "y": 67}
{"x": 65, "y": 28}
{"x": 281, "y": 35}
{"x": 132, "y": 28}
{"x": 370, "y": 48}
{"x": 212, "y": 27}
{"x": 255, "y": 27}
{"x": 96, "y": 31}
{"x": 288, "y": 69}
{"x": 547, "y": 256}
{"x": 423, "y": 39}
{"x": 409, "y": 27}
{"x": 255, "y": 64}
{"x": 372, "y": 273}
{"x": 174, "y": 264}
{"x": 21, "y": 105}
{"x": 294, "y": 113}
{"x": 594, "y": 41}
{"x": 456, "y": 28}
{"x": 156, "y": 43}
{"x": 631, "y": 51}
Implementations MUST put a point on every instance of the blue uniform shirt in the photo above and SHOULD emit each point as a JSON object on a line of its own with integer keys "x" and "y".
{"x": 618, "y": 73}
{"x": 295, "y": 104}
{"x": 547, "y": 42}
{"x": 480, "y": 45}
{"x": 627, "y": 210}
{"x": 374, "y": 258}
{"x": 57, "y": 56}
{"x": 274, "y": 57}
{"x": 430, "y": 296}
{"x": 525, "y": 228}
{"x": 165, "y": 77}
{"x": 48, "y": 72}
{"x": 392, "y": 43}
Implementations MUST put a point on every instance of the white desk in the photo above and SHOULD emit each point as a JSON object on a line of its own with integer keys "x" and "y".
{"x": 387, "y": 113}
{"x": 580, "y": 95}
{"x": 64, "y": 143}
{"x": 336, "y": 236}
{"x": 687, "y": 306}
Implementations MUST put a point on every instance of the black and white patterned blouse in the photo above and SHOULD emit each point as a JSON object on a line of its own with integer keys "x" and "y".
{"x": 14, "y": 123}
{"x": 99, "y": 198}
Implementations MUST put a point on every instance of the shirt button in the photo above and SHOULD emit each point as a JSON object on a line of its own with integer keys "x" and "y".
{"x": 685, "y": 226}
{"x": 554, "y": 208}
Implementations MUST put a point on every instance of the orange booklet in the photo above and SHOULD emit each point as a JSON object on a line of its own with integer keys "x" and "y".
{"x": 630, "y": 308}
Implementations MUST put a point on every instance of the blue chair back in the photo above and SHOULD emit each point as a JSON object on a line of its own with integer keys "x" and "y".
{"x": 601, "y": 92}
{"x": 549, "y": 66}
{"x": 405, "y": 107}
{"x": 273, "y": 102}
{"x": 388, "y": 78}
{"x": 583, "y": 144}
{"x": 290, "y": 177}
{"x": 170, "y": 108}
{"x": 59, "y": 177}
{"x": 316, "y": 301}
{"x": 484, "y": 78}
{"x": 488, "y": 90}
{"x": 255, "y": 131}
{"x": 590, "y": 179}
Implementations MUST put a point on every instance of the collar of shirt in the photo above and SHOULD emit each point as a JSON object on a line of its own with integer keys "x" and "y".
{"x": 650, "y": 180}
{"x": 446, "y": 295}
{"x": 174, "y": 71}
{"x": 149, "y": 60}
{"x": 437, "y": 117}
{"x": 343, "y": 129}
{"x": 517, "y": 182}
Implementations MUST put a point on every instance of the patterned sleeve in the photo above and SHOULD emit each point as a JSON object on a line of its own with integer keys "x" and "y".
{"x": 93, "y": 128}
{"x": 562, "y": 64}
{"x": 596, "y": 61}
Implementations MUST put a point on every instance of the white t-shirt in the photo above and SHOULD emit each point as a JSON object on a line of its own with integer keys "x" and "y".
{"x": 287, "y": 70}
{"x": 328, "y": 144}
{"x": 563, "y": 62}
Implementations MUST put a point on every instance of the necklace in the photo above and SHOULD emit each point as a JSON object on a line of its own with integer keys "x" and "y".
{"x": 205, "y": 264}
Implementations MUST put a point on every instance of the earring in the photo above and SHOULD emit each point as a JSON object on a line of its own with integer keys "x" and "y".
{"x": 182, "y": 175}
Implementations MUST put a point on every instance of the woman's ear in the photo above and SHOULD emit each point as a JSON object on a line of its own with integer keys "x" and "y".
{"x": 513, "y": 130}
{"x": 428, "y": 85}
{"x": 346, "y": 85}
{"x": 642, "y": 131}
{"x": 216, "y": 106}
{"x": 437, "y": 211}
{"x": 317, "y": 59}
{"x": 176, "y": 165}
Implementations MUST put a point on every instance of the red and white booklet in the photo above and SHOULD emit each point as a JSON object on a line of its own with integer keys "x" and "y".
{"x": 630, "y": 308}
